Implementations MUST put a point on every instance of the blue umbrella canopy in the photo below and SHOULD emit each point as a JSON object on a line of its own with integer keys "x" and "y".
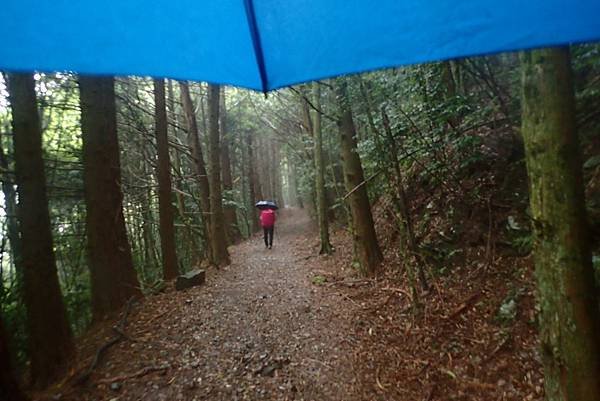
{"x": 268, "y": 44}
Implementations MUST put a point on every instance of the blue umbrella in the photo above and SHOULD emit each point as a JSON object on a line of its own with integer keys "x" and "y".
{"x": 268, "y": 44}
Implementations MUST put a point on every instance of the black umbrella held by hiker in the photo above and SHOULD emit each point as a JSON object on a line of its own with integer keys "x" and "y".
{"x": 262, "y": 205}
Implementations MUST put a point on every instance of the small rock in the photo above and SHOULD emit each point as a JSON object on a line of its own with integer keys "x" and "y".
{"x": 269, "y": 370}
{"x": 191, "y": 279}
{"x": 115, "y": 386}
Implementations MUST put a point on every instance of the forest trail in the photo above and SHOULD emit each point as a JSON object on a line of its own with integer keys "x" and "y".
{"x": 257, "y": 329}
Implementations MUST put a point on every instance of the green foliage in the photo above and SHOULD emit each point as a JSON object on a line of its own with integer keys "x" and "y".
{"x": 521, "y": 238}
{"x": 508, "y": 309}
{"x": 596, "y": 263}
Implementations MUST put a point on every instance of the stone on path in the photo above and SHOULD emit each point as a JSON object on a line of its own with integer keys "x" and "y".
{"x": 190, "y": 279}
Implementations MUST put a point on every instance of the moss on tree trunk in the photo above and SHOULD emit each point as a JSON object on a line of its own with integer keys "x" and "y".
{"x": 569, "y": 318}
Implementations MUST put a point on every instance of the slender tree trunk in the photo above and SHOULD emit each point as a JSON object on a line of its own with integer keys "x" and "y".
{"x": 320, "y": 176}
{"x": 9, "y": 386}
{"x": 291, "y": 187}
{"x": 151, "y": 260}
{"x": 252, "y": 184}
{"x": 165, "y": 207}
{"x": 188, "y": 234}
{"x": 114, "y": 280}
{"x": 279, "y": 175}
{"x": 569, "y": 316}
{"x": 12, "y": 223}
{"x": 294, "y": 185}
{"x": 232, "y": 229}
{"x": 365, "y": 239}
{"x": 403, "y": 208}
{"x": 50, "y": 338}
{"x": 218, "y": 238}
{"x": 199, "y": 165}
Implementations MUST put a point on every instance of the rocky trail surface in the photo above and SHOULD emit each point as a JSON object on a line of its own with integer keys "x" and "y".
{"x": 287, "y": 324}
{"x": 257, "y": 329}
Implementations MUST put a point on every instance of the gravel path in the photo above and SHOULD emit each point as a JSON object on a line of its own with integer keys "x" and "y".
{"x": 259, "y": 329}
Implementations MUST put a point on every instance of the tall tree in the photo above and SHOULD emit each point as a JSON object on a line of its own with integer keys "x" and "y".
{"x": 9, "y": 387}
{"x": 569, "y": 316}
{"x": 178, "y": 167}
{"x": 252, "y": 182}
{"x": 199, "y": 165}
{"x": 232, "y": 229}
{"x": 218, "y": 238}
{"x": 114, "y": 280}
{"x": 50, "y": 338}
{"x": 165, "y": 207}
{"x": 320, "y": 174}
{"x": 366, "y": 246}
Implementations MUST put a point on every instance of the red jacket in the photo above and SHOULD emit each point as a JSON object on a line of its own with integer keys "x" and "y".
{"x": 267, "y": 218}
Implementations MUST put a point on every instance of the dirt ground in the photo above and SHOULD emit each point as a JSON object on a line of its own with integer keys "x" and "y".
{"x": 257, "y": 329}
{"x": 286, "y": 324}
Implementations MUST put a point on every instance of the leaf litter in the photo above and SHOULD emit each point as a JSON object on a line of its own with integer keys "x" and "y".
{"x": 264, "y": 329}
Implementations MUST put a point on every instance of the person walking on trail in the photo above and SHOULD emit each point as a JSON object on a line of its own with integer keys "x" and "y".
{"x": 267, "y": 221}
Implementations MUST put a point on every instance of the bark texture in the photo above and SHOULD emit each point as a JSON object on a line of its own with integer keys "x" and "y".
{"x": 320, "y": 176}
{"x": 232, "y": 229}
{"x": 366, "y": 246}
{"x": 167, "y": 228}
{"x": 569, "y": 316}
{"x": 218, "y": 238}
{"x": 114, "y": 280}
{"x": 252, "y": 183}
{"x": 199, "y": 165}
{"x": 9, "y": 387}
{"x": 50, "y": 338}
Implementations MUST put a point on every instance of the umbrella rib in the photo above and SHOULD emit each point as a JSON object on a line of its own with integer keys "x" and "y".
{"x": 256, "y": 43}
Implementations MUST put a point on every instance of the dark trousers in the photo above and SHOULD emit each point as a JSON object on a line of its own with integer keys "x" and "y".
{"x": 268, "y": 235}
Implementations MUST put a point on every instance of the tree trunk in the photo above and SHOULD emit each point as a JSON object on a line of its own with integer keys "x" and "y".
{"x": 165, "y": 207}
{"x": 252, "y": 184}
{"x": 232, "y": 229}
{"x": 114, "y": 280}
{"x": 9, "y": 387}
{"x": 50, "y": 338}
{"x": 320, "y": 176}
{"x": 279, "y": 175}
{"x": 190, "y": 247}
{"x": 293, "y": 177}
{"x": 199, "y": 165}
{"x": 12, "y": 224}
{"x": 402, "y": 207}
{"x": 367, "y": 249}
{"x": 218, "y": 238}
{"x": 569, "y": 316}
